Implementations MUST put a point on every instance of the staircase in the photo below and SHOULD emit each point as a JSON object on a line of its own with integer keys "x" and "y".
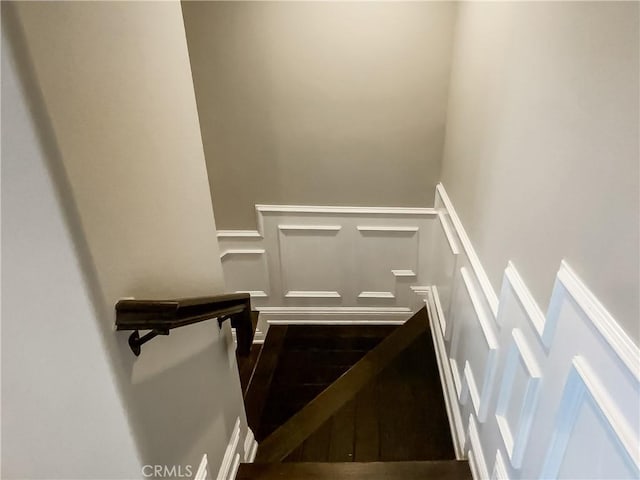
{"x": 333, "y": 402}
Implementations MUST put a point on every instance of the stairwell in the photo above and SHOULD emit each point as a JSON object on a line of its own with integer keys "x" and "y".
{"x": 333, "y": 402}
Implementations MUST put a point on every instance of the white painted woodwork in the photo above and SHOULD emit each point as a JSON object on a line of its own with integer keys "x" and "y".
{"x": 235, "y": 453}
{"x": 529, "y": 393}
{"x": 309, "y": 264}
{"x": 545, "y": 395}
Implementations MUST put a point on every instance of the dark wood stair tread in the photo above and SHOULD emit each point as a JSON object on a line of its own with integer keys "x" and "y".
{"x": 299, "y": 362}
{"x": 277, "y": 446}
{"x": 258, "y": 390}
{"x": 399, "y": 415}
{"x": 435, "y": 470}
{"x": 247, "y": 364}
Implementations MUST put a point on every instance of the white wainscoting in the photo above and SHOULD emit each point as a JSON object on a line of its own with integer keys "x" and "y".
{"x": 530, "y": 394}
{"x": 340, "y": 265}
{"x": 235, "y": 453}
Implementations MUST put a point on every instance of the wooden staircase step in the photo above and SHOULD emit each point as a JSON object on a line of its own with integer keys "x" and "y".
{"x": 316, "y": 358}
{"x": 277, "y": 446}
{"x": 247, "y": 364}
{"x": 320, "y": 343}
{"x": 308, "y": 374}
{"x": 343, "y": 331}
{"x": 431, "y": 470}
{"x": 257, "y": 392}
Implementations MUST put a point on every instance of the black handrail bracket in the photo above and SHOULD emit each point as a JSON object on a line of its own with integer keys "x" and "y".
{"x": 161, "y": 316}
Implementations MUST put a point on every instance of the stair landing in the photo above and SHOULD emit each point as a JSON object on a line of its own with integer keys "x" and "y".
{"x": 367, "y": 404}
{"x": 443, "y": 470}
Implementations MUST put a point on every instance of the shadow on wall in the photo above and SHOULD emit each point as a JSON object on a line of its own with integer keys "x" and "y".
{"x": 115, "y": 347}
{"x": 160, "y": 399}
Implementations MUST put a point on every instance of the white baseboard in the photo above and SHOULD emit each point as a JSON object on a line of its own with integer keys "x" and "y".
{"x": 203, "y": 469}
{"x": 231, "y": 459}
{"x": 335, "y": 315}
{"x": 446, "y": 375}
{"x": 250, "y": 447}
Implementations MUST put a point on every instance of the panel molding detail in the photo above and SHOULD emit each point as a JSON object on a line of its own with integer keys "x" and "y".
{"x": 238, "y": 234}
{"x": 311, "y": 294}
{"x": 310, "y": 228}
{"x": 499, "y": 468}
{"x": 480, "y": 398}
{"x": 525, "y": 298}
{"x": 610, "y": 330}
{"x": 340, "y": 210}
{"x": 480, "y": 273}
{"x": 250, "y": 447}
{"x": 515, "y": 436}
{"x": 203, "y": 469}
{"x": 477, "y": 460}
{"x": 561, "y": 384}
{"x": 453, "y": 245}
{"x": 231, "y": 459}
{"x": 335, "y": 315}
{"x": 487, "y": 330}
{"x": 450, "y": 385}
{"x": 376, "y": 295}
{"x": 241, "y": 251}
{"x": 319, "y": 257}
{"x": 583, "y": 383}
{"x": 388, "y": 228}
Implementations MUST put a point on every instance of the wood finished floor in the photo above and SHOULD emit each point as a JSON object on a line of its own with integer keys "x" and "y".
{"x": 440, "y": 470}
{"x": 399, "y": 416}
{"x": 309, "y": 360}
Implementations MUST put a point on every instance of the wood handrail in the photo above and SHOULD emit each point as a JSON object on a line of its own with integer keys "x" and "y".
{"x": 161, "y": 316}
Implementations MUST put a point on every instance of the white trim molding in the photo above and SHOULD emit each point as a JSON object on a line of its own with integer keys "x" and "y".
{"x": 499, "y": 468}
{"x": 310, "y": 228}
{"x": 345, "y": 258}
{"x": 450, "y": 385}
{"x": 203, "y": 469}
{"x": 619, "y": 341}
{"x": 238, "y": 234}
{"x": 525, "y": 298}
{"x": 388, "y": 228}
{"x": 477, "y": 460}
{"x": 561, "y": 384}
{"x": 376, "y": 295}
{"x": 583, "y": 386}
{"x": 453, "y": 245}
{"x": 515, "y": 437}
{"x": 483, "y": 279}
{"x": 340, "y": 210}
{"x": 231, "y": 459}
{"x": 311, "y": 294}
{"x": 335, "y": 315}
{"x": 250, "y": 447}
{"x": 240, "y": 251}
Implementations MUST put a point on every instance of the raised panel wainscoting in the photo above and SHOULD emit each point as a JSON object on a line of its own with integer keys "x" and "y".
{"x": 332, "y": 265}
{"x": 530, "y": 394}
{"x": 238, "y": 450}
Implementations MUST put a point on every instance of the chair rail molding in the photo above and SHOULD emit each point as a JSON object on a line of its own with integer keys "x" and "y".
{"x": 563, "y": 385}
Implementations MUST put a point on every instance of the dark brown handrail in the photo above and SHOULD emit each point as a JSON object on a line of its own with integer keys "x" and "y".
{"x": 161, "y": 316}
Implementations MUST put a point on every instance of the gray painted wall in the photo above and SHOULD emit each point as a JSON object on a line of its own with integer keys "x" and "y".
{"x": 338, "y": 103}
{"x": 541, "y": 156}
{"x": 62, "y": 415}
{"x": 115, "y": 96}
